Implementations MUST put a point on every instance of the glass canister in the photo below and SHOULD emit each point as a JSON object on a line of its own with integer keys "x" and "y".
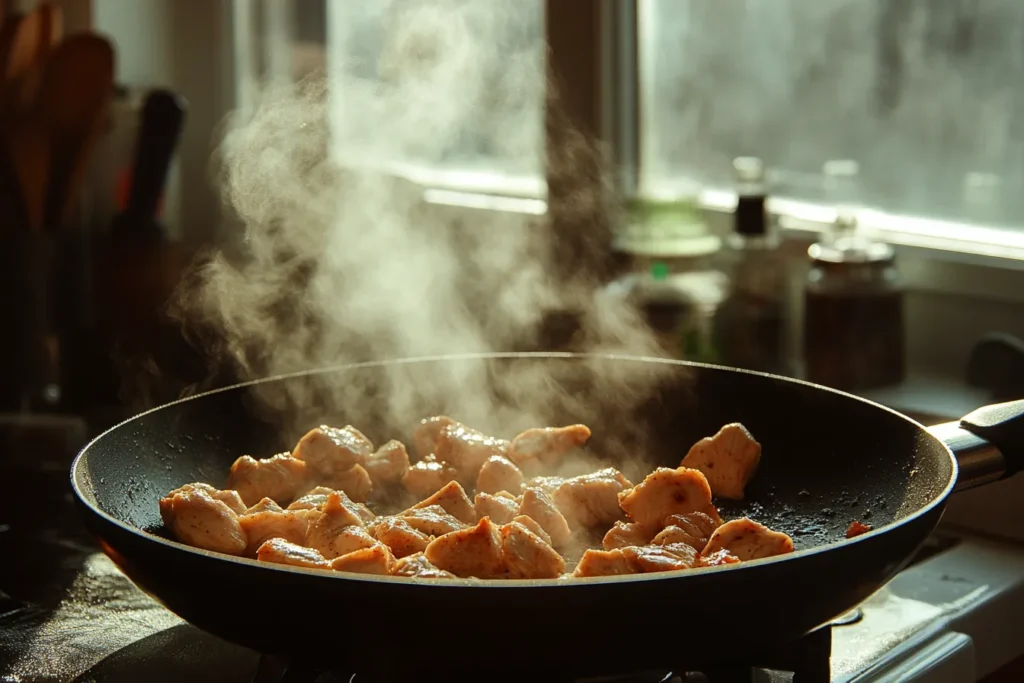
{"x": 853, "y": 315}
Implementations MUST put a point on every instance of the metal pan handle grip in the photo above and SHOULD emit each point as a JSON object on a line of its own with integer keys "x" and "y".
{"x": 988, "y": 443}
{"x": 1002, "y": 425}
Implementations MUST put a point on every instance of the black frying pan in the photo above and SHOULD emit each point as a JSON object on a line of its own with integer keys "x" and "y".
{"x": 828, "y": 458}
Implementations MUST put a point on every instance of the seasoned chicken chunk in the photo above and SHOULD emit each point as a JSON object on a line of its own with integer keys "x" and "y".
{"x": 718, "y": 558}
{"x": 328, "y": 450}
{"x": 748, "y": 540}
{"x": 625, "y": 534}
{"x": 432, "y": 520}
{"x": 336, "y": 530}
{"x": 501, "y": 510}
{"x": 604, "y": 563}
{"x": 265, "y": 505}
{"x": 418, "y": 566}
{"x": 279, "y": 478}
{"x": 400, "y": 536}
{"x": 197, "y": 518}
{"x": 527, "y": 555}
{"x": 546, "y": 484}
{"x": 667, "y": 492}
{"x": 355, "y": 482}
{"x": 317, "y": 499}
{"x": 662, "y": 558}
{"x": 531, "y": 524}
{"x": 592, "y": 499}
{"x": 427, "y": 476}
{"x": 424, "y": 437}
{"x": 389, "y": 464}
{"x": 229, "y": 497}
{"x": 476, "y": 551}
{"x": 467, "y": 450}
{"x": 539, "y": 507}
{"x": 499, "y": 474}
{"x": 376, "y": 559}
{"x": 452, "y": 497}
{"x": 280, "y": 551}
{"x": 728, "y": 460}
{"x": 260, "y": 527}
{"x": 694, "y": 529}
{"x": 636, "y": 560}
{"x": 541, "y": 448}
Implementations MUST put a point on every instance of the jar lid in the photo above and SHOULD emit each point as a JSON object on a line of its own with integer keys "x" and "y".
{"x": 854, "y": 251}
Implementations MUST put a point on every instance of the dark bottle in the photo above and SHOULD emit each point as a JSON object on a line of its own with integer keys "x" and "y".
{"x": 853, "y": 310}
{"x": 749, "y": 329}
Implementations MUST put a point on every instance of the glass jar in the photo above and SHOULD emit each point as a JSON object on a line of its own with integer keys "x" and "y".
{"x": 853, "y": 316}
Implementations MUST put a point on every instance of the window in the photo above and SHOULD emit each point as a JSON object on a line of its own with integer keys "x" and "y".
{"x": 924, "y": 95}
{"x": 450, "y": 93}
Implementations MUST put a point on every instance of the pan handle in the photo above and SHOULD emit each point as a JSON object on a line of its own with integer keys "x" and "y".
{"x": 988, "y": 443}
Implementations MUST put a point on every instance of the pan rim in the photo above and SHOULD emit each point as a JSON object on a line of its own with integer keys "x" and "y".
{"x": 88, "y": 501}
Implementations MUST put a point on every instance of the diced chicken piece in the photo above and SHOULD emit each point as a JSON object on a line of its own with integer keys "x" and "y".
{"x": 355, "y": 482}
{"x": 229, "y": 497}
{"x": 718, "y": 558}
{"x": 499, "y": 474}
{"x": 427, "y": 476}
{"x": 317, "y": 498}
{"x": 728, "y": 460}
{"x": 546, "y": 484}
{"x": 328, "y": 450}
{"x": 400, "y": 536}
{"x": 527, "y": 555}
{"x": 314, "y": 498}
{"x": 857, "y": 528}
{"x": 376, "y": 559}
{"x": 389, "y": 464}
{"x": 280, "y": 551}
{"x": 667, "y": 492}
{"x": 425, "y": 435}
{"x": 540, "y": 448}
{"x": 265, "y": 505}
{"x": 336, "y": 530}
{"x": 198, "y": 519}
{"x": 748, "y": 540}
{"x": 501, "y": 510}
{"x": 433, "y": 520}
{"x": 604, "y": 563}
{"x": 539, "y": 507}
{"x": 467, "y": 450}
{"x": 531, "y": 524}
{"x": 452, "y": 497}
{"x": 625, "y": 534}
{"x": 592, "y": 499}
{"x": 694, "y": 529}
{"x": 475, "y": 551}
{"x": 658, "y": 558}
{"x": 279, "y": 477}
{"x": 636, "y": 560}
{"x": 260, "y": 527}
{"x": 418, "y": 566}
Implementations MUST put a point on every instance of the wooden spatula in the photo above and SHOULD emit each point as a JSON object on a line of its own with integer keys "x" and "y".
{"x": 76, "y": 90}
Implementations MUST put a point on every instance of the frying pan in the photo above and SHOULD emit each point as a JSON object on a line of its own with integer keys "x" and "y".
{"x": 828, "y": 458}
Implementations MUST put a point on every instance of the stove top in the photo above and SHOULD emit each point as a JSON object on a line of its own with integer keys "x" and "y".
{"x": 67, "y": 615}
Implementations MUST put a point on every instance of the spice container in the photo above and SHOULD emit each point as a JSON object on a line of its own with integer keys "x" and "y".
{"x": 853, "y": 312}
{"x": 749, "y": 327}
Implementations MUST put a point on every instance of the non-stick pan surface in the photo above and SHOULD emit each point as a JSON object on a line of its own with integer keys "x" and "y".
{"x": 827, "y": 459}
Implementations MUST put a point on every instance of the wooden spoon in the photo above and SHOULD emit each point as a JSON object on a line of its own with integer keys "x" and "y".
{"x": 77, "y": 87}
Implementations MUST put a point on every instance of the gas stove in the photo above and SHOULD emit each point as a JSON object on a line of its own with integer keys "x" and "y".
{"x": 67, "y": 614}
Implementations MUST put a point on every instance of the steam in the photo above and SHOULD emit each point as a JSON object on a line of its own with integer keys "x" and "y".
{"x": 342, "y": 260}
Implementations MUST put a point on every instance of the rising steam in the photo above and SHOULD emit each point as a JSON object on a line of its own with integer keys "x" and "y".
{"x": 343, "y": 261}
